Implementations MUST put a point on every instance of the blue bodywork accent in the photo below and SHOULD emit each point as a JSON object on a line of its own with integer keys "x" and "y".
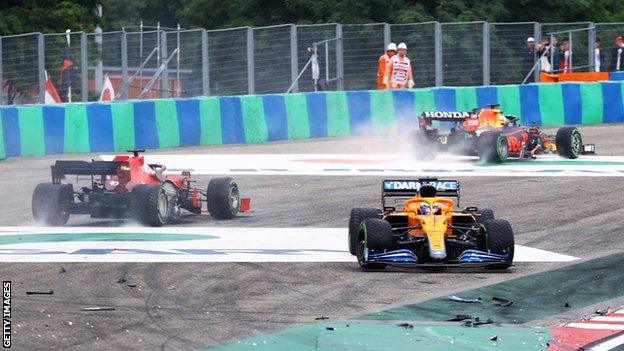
{"x": 401, "y": 255}
{"x": 481, "y": 256}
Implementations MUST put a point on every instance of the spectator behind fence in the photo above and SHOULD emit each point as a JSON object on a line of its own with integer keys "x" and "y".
{"x": 617, "y": 55}
{"x": 555, "y": 55}
{"x": 565, "y": 64}
{"x": 543, "y": 51}
{"x": 399, "y": 70}
{"x": 598, "y": 55}
{"x": 383, "y": 63}
{"x": 529, "y": 55}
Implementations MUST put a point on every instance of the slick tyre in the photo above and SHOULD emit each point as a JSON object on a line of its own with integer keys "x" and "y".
{"x": 493, "y": 147}
{"x": 374, "y": 234}
{"x": 569, "y": 142}
{"x": 425, "y": 144}
{"x": 150, "y": 205}
{"x": 500, "y": 240}
{"x": 51, "y": 203}
{"x": 223, "y": 198}
{"x": 358, "y": 215}
{"x": 484, "y": 214}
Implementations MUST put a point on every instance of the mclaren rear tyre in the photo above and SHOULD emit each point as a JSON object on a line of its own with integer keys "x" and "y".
{"x": 223, "y": 198}
{"x": 484, "y": 214}
{"x": 569, "y": 142}
{"x": 150, "y": 205}
{"x": 51, "y": 203}
{"x": 500, "y": 240}
{"x": 358, "y": 215}
{"x": 425, "y": 144}
{"x": 374, "y": 234}
{"x": 493, "y": 147}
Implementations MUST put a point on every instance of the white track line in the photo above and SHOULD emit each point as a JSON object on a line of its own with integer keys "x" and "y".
{"x": 610, "y": 344}
{"x": 596, "y": 326}
{"x": 230, "y": 245}
{"x": 394, "y": 165}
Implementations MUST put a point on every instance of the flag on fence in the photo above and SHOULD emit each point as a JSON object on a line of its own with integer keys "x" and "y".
{"x": 108, "y": 92}
{"x": 51, "y": 95}
{"x": 67, "y": 73}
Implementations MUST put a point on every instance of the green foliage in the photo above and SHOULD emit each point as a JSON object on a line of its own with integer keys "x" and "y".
{"x": 47, "y": 16}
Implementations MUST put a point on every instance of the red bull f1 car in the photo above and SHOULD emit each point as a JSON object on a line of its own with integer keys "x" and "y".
{"x": 127, "y": 187}
{"x": 493, "y": 136}
{"x": 420, "y": 224}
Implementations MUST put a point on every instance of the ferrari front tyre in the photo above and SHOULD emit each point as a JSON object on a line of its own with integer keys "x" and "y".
{"x": 569, "y": 142}
{"x": 425, "y": 144}
{"x": 500, "y": 240}
{"x": 374, "y": 234}
{"x": 223, "y": 198}
{"x": 51, "y": 203}
{"x": 358, "y": 215}
{"x": 493, "y": 147}
{"x": 484, "y": 214}
{"x": 150, "y": 205}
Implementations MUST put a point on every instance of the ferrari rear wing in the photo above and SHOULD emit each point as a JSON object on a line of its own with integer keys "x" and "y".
{"x": 93, "y": 168}
{"x": 395, "y": 192}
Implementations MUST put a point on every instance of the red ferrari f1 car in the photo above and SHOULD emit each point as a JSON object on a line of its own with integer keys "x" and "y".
{"x": 126, "y": 187}
{"x": 494, "y": 137}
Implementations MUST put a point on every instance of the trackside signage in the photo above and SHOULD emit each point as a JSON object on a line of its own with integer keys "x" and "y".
{"x": 415, "y": 185}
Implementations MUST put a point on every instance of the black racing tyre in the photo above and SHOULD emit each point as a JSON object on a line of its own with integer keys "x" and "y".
{"x": 358, "y": 215}
{"x": 374, "y": 234}
{"x": 569, "y": 142}
{"x": 493, "y": 147}
{"x": 51, "y": 203}
{"x": 223, "y": 198}
{"x": 150, "y": 205}
{"x": 500, "y": 240}
{"x": 483, "y": 214}
{"x": 425, "y": 144}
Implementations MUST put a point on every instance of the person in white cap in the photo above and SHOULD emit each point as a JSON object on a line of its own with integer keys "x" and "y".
{"x": 399, "y": 70}
{"x": 529, "y": 55}
{"x": 383, "y": 63}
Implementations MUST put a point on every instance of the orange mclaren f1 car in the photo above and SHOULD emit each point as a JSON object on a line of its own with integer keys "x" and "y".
{"x": 494, "y": 137}
{"x": 420, "y": 224}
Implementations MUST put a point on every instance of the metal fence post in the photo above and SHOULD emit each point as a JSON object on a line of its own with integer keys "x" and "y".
{"x": 164, "y": 92}
{"x": 1, "y": 76}
{"x": 124, "y": 63}
{"x": 486, "y": 53}
{"x": 250, "y": 61}
{"x": 339, "y": 59}
{"x": 438, "y": 55}
{"x": 41, "y": 64}
{"x": 387, "y": 35}
{"x": 205, "y": 71}
{"x": 591, "y": 40}
{"x": 537, "y": 35}
{"x": 84, "y": 72}
{"x": 294, "y": 59}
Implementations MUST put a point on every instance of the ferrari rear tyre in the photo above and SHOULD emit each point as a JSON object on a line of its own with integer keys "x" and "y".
{"x": 493, "y": 147}
{"x": 569, "y": 142}
{"x": 223, "y": 198}
{"x": 425, "y": 144}
{"x": 500, "y": 240}
{"x": 51, "y": 203}
{"x": 375, "y": 234}
{"x": 484, "y": 214}
{"x": 150, "y": 204}
{"x": 358, "y": 215}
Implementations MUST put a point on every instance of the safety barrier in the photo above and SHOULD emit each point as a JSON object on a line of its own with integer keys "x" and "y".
{"x": 34, "y": 130}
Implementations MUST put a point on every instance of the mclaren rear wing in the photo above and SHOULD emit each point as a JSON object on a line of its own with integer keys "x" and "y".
{"x": 394, "y": 192}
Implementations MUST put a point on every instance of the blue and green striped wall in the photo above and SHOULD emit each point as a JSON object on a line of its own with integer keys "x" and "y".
{"x": 34, "y": 130}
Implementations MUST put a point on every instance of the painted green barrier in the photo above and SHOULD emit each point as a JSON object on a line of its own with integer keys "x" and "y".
{"x": 35, "y": 130}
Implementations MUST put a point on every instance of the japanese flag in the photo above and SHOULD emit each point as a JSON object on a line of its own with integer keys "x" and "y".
{"x": 108, "y": 92}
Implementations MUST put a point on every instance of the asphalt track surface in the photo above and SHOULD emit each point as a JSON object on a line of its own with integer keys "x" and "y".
{"x": 192, "y": 306}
